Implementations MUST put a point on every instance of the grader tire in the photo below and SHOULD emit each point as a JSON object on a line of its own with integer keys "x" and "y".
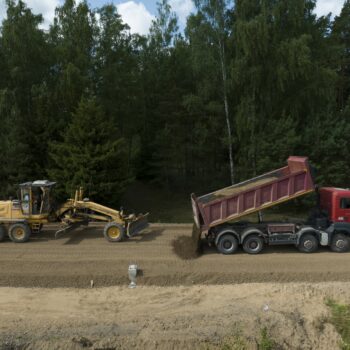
{"x": 19, "y": 233}
{"x": 114, "y": 232}
{"x": 2, "y": 232}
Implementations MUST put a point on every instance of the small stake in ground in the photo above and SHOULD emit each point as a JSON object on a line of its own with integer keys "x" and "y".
{"x": 132, "y": 271}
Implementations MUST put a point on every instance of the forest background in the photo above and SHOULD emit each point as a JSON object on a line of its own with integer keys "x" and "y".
{"x": 245, "y": 85}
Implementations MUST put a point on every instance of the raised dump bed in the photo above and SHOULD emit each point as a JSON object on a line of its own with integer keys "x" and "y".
{"x": 232, "y": 203}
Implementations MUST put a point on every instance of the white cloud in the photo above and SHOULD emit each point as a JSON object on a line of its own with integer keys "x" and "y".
{"x": 182, "y": 8}
{"x": 2, "y": 9}
{"x": 324, "y": 7}
{"x": 136, "y": 16}
{"x": 46, "y": 8}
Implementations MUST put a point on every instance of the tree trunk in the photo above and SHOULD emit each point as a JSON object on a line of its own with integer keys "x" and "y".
{"x": 227, "y": 114}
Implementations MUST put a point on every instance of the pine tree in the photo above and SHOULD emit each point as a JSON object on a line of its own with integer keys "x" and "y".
{"x": 341, "y": 36}
{"x": 24, "y": 50}
{"x": 72, "y": 37}
{"x": 91, "y": 155}
{"x": 282, "y": 79}
{"x": 118, "y": 77}
{"x": 157, "y": 73}
{"x": 213, "y": 15}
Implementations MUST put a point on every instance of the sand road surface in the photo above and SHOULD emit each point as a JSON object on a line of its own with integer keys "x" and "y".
{"x": 76, "y": 258}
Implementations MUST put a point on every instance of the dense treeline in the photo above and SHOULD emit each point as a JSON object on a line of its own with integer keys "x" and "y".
{"x": 245, "y": 86}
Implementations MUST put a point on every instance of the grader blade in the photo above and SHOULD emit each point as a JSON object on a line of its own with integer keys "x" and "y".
{"x": 68, "y": 228}
{"x": 137, "y": 225}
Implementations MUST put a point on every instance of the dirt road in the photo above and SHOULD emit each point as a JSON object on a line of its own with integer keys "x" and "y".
{"x": 79, "y": 257}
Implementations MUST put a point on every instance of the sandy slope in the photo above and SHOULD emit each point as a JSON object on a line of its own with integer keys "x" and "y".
{"x": 195, "y": 317}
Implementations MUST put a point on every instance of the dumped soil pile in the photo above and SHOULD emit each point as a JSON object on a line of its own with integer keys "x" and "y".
{"x": 188, "y": 247}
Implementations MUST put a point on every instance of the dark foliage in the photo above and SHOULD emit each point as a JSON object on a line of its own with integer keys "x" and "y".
{"x": 86, "y": 103}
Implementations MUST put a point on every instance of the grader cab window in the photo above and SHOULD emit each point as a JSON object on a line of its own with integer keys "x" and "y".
{"x": 25, "y": 200}
{"x": 37, "y": 200}
{"x": 35, "y": 197}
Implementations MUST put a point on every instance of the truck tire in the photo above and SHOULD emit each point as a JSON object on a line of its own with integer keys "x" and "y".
{"x": 308, "y": 244}
{"x": 114, "y": 232}
{"x": 228, "y": 244}
{"x": 2, "y": 232}
{"x": 19, "y": 233}
{"x": 340, "y": 243}
{"x": 253, "y": 244}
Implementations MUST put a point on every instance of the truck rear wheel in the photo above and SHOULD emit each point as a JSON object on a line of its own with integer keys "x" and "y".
{"x": 340, "y": 243}
{"x": 253, "y": 244}
{"x": 308, "y": 244}
{"x": 227, "y": 244}
{"x": 2, "y": 232}
{"x": 19, "y": 233}
{"x": 114, "y": 232}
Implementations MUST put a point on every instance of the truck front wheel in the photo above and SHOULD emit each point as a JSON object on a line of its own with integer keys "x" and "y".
{"x": 253, "y": 244}
{"x": 340, "y": 243}
{"x": 308, "y": 244}
{"x": 227, "y": 244}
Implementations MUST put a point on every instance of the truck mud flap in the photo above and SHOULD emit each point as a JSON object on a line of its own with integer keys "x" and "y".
{"x": 137, "y": 226}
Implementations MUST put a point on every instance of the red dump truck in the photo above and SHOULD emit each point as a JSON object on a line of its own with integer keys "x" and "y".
{"x": 218, "y": 214}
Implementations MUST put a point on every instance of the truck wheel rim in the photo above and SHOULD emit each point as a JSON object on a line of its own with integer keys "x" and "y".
{"x": 19, "y": 233}
{"x": 114, "y": 232}
{"x": 308, "y": 244}
{"x": 227, "y": 245}
{"x": 254, "y": 245}
{"x": 340, "y": 243}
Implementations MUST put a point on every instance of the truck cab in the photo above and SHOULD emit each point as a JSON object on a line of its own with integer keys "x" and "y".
{"x": 336, "y": 203}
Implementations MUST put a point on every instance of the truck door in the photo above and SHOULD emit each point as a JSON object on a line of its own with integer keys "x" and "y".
{"x": 343, "y": 212}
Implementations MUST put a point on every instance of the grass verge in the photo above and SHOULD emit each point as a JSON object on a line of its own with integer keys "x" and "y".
{"x": 239, "y": 341}
{"x": 340, "y": 318}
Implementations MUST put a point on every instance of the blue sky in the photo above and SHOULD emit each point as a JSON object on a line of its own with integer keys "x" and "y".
{"x": 139, "y": 13}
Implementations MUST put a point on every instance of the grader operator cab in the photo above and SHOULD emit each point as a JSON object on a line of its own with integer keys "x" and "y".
{"x": 35, "y": 198}
{"x": 20, "y": 218}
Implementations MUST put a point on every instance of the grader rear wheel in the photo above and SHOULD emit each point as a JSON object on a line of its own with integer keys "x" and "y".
{"x": 114, "y": 232}
{"x": 19, "y": 233}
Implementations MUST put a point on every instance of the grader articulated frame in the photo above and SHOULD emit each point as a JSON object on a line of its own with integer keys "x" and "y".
{"x": 20, "y": 218}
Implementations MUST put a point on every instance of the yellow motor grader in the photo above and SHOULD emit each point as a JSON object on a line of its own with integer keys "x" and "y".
{"x": 20, "y": 218}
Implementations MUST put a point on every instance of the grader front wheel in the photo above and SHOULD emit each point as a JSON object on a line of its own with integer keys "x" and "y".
{"x": 114, "y": 232}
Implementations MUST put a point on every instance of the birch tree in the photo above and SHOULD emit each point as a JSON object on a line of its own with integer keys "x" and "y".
{"x": 215, "y": 13}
